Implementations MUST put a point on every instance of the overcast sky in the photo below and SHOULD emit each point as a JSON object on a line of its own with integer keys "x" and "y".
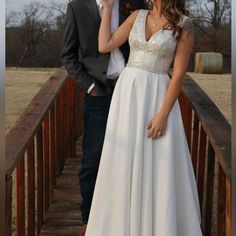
{"x": 17, "y": 5}
{"x": 14, "y": 5}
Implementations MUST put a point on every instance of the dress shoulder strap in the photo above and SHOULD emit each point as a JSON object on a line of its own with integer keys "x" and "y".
{"x": 140, "y": 15}
{"x": 137, "y": 25}
{"x": 186, "y": 24}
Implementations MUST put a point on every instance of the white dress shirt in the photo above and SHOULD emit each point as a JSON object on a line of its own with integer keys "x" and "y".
{"x": 117, "y": 61}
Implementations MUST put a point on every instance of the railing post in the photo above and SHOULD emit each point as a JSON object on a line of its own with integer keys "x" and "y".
{"x": 228, "y": 208}
{"x": 53, "y": 147}
{"x": 20, "y": 197}
{"x": 40, "y": 202}
{"x": 40, "y": 125}
{"x": 201, "y": 167}
{"x": 8, "y": 206}
{"x": 221, "y": 202}
{"x": 58, "y": 135}
{"x": 195, "y": 143}
{"x": 186, "y": 112}
{"x": 31, "y": 188}
{"x": 46, "y": 159}
{"x": 210, "y": 190}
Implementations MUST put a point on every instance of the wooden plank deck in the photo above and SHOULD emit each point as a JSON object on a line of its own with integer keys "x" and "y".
{"x": 63, "y": 216}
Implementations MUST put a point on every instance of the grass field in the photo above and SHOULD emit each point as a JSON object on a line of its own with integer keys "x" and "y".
{"x": 218, "y": 88}
{"x": 21, "y": 87}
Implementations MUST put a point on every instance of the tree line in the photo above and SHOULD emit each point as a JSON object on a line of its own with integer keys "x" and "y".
{"x": 34, "y": 36}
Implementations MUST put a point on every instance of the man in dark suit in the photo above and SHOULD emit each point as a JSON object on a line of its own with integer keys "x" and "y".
{"x": 96, "y": 75}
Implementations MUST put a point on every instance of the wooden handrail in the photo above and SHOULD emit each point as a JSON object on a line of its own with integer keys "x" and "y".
{"x": 213, "y": 121}
{"x": 36, "y": 147}
{"x": 17, "y": 139}
{"x": 208, "y": 135}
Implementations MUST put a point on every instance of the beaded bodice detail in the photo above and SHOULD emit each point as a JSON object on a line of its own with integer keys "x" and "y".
{"x": 154, "y": 55}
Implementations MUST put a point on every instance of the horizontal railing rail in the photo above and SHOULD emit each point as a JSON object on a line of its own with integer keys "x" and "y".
{"x": 209, "y": 138}
{"x": 36, "y": 147}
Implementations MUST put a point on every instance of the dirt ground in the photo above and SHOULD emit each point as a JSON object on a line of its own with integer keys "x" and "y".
{"x": 23, "y": 84}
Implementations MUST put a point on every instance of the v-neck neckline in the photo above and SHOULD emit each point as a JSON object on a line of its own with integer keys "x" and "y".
{"x": 144, "y": 28}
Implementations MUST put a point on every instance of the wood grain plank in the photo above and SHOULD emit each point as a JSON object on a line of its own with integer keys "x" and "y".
{"x": 58, "y": 136}
{"x": 46, "y": 155}
{"x": 62, "y": 124}
{"x": 9, "y": 207}
{"x": 228, "y": 208}
{"x": 221, "y": 216}
{"x": 201, "y": 166}
{"x": 64, "y": 216}
{"x": 20, "y": 197}
{"x": 195, "y": 145}
{"x": 186, "y": 112}
{"x": 28, "y": 124}
{"x": 52, "y": 149}
{"x": 211, "y": 117}
{"x": 210, "y": 190}
{"x": 40, "y": 202}
{"x": 31, "y": 188}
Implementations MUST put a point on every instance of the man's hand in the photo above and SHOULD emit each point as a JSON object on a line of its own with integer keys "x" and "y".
{"x": 93, "y": 92}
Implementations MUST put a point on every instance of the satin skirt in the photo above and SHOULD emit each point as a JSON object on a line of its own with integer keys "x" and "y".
{"x": 144, "y": 187}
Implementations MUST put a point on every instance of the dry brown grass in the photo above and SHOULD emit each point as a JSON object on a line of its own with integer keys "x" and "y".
{"x": 218, "y": 88}
{"x": 21, "y": 87}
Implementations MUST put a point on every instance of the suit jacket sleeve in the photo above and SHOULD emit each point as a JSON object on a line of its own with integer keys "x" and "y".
{"x": 70, "y": 52}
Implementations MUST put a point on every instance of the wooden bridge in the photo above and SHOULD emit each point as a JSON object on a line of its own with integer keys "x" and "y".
{"x": 43, "y": 152}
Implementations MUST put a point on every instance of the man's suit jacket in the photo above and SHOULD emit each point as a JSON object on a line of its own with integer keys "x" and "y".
{"x": 80, "y": 54}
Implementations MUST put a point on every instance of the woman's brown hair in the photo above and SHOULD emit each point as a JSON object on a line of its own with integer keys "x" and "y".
{"x": 173, "y": 10}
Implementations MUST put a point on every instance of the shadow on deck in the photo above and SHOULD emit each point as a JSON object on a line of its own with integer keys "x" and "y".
{"x": 63, "y": 216}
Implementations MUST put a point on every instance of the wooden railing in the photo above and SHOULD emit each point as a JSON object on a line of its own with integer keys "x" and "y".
{"x": 209, "y": 138}
{"x": 45, "y": 136}
{"x": 36, "y": 148}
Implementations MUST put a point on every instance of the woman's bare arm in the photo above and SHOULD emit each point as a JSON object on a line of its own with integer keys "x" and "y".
{"x": 183, "y": 52}
{"x": 108, "y": 41}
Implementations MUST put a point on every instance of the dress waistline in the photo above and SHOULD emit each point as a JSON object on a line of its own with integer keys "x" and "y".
{"x": 147, "y": 69}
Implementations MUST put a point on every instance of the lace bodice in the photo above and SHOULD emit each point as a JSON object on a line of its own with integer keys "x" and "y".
{"x": 155, "y": 54}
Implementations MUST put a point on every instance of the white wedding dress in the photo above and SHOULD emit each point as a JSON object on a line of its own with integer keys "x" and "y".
{"x": 144, "y": 187}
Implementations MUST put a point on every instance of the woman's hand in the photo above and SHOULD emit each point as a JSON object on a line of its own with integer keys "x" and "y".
{"x": 107, "y": 3}
{"x": 157, "y": 126}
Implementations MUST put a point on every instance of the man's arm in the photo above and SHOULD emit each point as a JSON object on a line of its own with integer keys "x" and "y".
{"x": 70, "y": 55}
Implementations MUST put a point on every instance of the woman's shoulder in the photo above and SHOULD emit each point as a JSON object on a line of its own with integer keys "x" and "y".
{"x": 137, "y": 12}
{"x": 134, "y": 15}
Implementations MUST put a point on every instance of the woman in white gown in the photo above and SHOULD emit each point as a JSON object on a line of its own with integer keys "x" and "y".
{"x": 145, "y": 184}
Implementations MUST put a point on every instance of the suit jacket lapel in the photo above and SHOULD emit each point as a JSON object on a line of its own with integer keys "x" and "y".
{"x": 93, "y": 8}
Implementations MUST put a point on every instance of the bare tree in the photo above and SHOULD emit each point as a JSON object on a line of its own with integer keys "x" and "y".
{"x": 12, "y": 18}
{"x": 35, "y": 22}
{"x": 58, "y": 9}
{"x": 213, "y": 12}
{"x": 212, "y": 19}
